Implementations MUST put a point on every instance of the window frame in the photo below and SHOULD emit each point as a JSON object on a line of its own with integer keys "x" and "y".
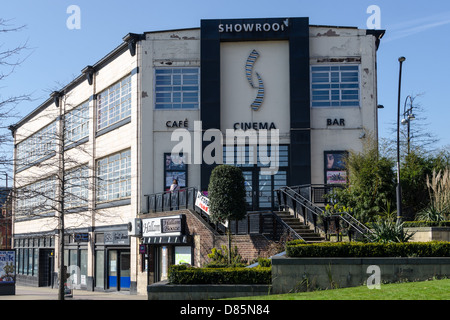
{"x": 340, "y": 86}
{"x": 81, "y": 123}
{"x": 82, "y": 183}
{"x": 115, "y": 108}
{"x": 181, "y": 92}
{"x": 39, "y": 204}
{"x": 106, "y": 187}
{"x": 34, "y": 149}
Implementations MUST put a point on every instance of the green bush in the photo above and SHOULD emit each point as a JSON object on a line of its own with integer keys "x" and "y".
{"x": 358, "y": 249}
{"x": 190, "y": 275}
{"x": 219, "y": 258}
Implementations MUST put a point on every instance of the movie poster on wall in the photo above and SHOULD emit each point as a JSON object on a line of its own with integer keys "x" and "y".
{"x": 335, "y": 170}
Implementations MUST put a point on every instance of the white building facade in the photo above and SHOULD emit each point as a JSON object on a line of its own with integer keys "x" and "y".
{"x": 123, "y": 117}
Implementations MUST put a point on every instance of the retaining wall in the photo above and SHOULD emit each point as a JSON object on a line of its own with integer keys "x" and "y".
{"x": 299, "y": 274}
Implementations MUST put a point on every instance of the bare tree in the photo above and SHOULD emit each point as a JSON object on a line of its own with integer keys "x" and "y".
{"x": 10, "y": 59}
{"x": 414, "y": 132}
{"x": 56, "y": 177}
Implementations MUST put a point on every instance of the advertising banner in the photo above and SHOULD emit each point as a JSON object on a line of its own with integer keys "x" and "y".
{"x": 202, "y": 202}
{"x": 7, "y": 267}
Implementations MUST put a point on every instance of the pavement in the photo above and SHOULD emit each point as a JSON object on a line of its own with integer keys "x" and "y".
{"x": 45, "y": 293}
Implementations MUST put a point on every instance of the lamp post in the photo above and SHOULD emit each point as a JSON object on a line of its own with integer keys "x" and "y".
{"x": 399, "y": 188}
{"x": 408, "y": 116}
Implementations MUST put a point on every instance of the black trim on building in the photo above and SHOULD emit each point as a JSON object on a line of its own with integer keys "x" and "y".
{"x": 297, "y": 33}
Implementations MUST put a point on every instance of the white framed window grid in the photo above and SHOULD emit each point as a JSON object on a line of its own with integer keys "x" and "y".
{"x": 37, "y": 146}
{"x": 335, "y": 85}
{"x": 36, "y": 198}
{"x": 177, "y": 88}
{"x": 77, "y": 123}
{"x": 77, "y": 187}
{"x": 114, "y": 177}
{"x": 114, "y": 103}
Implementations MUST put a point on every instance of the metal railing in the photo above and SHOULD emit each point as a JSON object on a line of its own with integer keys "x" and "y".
{"x": 265, "y": 223}
{"x": 301, "y": 200}
{"x": 169, "y": 201}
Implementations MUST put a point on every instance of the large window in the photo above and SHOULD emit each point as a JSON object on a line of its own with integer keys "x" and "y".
{"x": 114, "y": 177}
{"x": 36, "y": 147}
{"x": 77, "y": 187}
{"x": 114, "y": 103}
{"x": 36, "y": 198}
{"x": 335, "y": 86}
{"x": 77, "y": 124}
{"x": 177, "y": 88}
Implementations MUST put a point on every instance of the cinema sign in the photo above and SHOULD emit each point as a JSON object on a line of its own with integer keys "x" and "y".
{"x": 254, "y": 27}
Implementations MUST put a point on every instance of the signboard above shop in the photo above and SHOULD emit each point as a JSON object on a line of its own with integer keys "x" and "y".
{"x": 163, "y": 226}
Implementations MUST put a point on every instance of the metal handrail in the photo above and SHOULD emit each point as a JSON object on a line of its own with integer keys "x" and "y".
{"x": 311, "y": 207}
{"x": 286, "y": 226}
{"x": 356, "y": 224}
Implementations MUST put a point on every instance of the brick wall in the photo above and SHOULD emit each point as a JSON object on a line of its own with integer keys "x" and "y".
{"x": 205, "y": 238}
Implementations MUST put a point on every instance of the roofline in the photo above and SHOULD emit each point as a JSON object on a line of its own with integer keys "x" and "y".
{"x": 82, "y": 77}
{"x": 124, "y": 46}
{"x": 172, "y": 30}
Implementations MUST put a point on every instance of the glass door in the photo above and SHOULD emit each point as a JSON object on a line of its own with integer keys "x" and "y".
{"x": 112, "y": 269}
{"x": 124, "y": 270}
{"x": 249, "y": 192}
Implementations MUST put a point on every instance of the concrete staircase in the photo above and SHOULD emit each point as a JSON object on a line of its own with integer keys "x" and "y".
{"x": 300, "y": 228}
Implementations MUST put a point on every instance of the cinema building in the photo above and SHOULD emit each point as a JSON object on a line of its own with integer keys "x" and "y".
{"x": 112, "y": 131}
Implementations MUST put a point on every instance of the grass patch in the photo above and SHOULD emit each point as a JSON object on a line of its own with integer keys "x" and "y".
{"x": 426, "y": 290}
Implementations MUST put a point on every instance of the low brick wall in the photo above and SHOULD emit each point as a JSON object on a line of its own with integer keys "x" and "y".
{"x": 299, "y": 274}
{"x": 165, "y": 291}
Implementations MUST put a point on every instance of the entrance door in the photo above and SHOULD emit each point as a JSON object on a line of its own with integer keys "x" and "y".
{"x": 112, "y": 269}
{"x": 46, "y": 263}
{"x": 260, "y": 188}
{"x": 118, "y": 269}
{"x": 124, "y": 270}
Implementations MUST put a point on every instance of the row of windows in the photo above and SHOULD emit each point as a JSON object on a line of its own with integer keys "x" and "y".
{"x": 113, "y": 183}
{"x": 177, "y": 88}
{"x": 114, "y": 105}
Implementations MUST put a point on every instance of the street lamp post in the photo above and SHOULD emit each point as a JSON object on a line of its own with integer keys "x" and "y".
{"x": 408, "y": 116}
{"x": 399, "y": 188}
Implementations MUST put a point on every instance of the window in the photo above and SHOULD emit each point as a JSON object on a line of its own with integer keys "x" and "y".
{"x": 77, "y": 187}
{"x": 77, "y": 124}
{"x": 177, "y": 88}
{"x": 36, "y": 198}
{"x": 36, "y": 147}
{"x": 335, "y": 86}
{"x": 114, "y": 177}
{"x": 114, "y": 103}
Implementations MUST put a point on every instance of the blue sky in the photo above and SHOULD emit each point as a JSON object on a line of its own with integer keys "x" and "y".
{"x": 418, "y": 30}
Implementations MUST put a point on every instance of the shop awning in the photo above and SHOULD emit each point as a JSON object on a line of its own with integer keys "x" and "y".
{"x": 166, "y": 240}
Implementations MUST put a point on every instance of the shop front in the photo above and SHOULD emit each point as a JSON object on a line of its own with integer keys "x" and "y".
{"x": 112, "y": 261}
{"x": 164, "y": 243}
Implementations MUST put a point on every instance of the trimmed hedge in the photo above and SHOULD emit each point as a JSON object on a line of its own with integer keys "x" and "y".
{"x": 299, "y": 249}
{"x": 181, "y": 274}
